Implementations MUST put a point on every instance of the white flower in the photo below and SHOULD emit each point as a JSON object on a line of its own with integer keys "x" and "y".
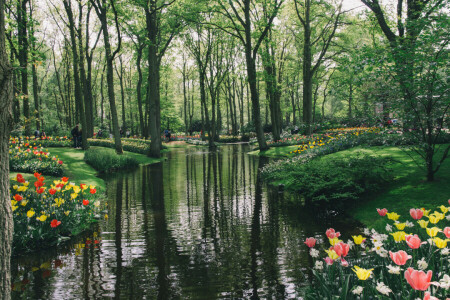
{"x": 357, "y": 290}
{"x": 388, "y": 228}
{"x": 445, "y": 251}
{"x": 366, "y": 231}
{"x": 350, "y": 244}
{"x": 314, "y": 253}
{"x": 382, "y": 252}
{"x": 409, "y": 224}
{"x": 445, "y": 282}
{"x": 394, "y": 269}
{"x": 383, "y": 289}
{"x": 448, "y": 218}
{"x": 319, "y": 265}
{"x": 422, "y": 264}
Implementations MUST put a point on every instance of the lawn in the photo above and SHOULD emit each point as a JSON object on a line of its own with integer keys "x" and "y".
{"x": 276, "y": 152}
{"x": 78, "y": 170}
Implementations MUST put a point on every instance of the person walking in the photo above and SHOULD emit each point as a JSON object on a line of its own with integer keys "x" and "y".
{"x": 75, "y": 132}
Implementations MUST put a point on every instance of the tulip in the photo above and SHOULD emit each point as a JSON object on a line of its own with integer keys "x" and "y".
{"x": 393, "y": 216}
{"x": 358, "y": 239}
{"x": 331, "y": 234}
{"x": 17, "y": 197}
{"x": 344, "y": 263}
{"x": 334, "y": 241}
{"x": 52, "y": 191}
{"x": 443, "y": 208}
{"x": 418, "y": 279}
{"x": 341, "y": 249}
{"x": 400, "y": 226}
{"x": 310, "y": 242}
{"x": 332, "y": 254}
{"x": 413, "y": 241}
{"x": 92, "y": 191}
{"x": 440, "y": 243}
{"x": 447, "y": 232}
{"x": 432, "y": 232}
{"x": 329, "y": 261}
{"x": 416, "y": 213}
{"x": 399, "y": 236}
{"x": 400, "y": 257}
{"x": 429, "y": 297}
{"x": 382, "y": 212}
{"x": 55, "y": 223}
{"x": 423, "y": 223}
{"x": 363, "y": 274}
{"x": 425, "y": 212}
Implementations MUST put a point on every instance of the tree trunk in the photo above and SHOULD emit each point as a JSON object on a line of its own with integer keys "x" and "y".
{"x": 6, "y": 216}
{"x": 307, "y": 72}
{"x": 350, "y": 100}
{"x": 139, "y": 88}
{"x": 22, "y": 21}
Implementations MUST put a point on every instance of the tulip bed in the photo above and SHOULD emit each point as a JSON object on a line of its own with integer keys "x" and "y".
{"x": 410, "y": 260}
{"x": 46, "y": 215}
{"x": 24, "y": 157}
{"x": 48, "y": 141}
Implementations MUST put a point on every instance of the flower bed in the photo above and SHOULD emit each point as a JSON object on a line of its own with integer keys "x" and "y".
{"x": 45, "y": 216}
{"x": 131, "y": 145}
{"x": 25, "y": 158}
{"x": 409, "y": 261}
{"x": 49, "y": 141}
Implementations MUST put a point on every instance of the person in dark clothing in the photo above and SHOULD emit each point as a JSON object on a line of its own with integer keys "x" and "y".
{"x": 80, "y": 136}
{"x": 75, "y": 132}
{"x": 100, "y": 133}
{"x": 36, "y": 134}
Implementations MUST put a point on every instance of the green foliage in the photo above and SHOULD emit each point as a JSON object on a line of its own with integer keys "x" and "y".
{"x": 333, "y": 180}
{"x": 106, "y": 160}
{"x": 131, "y": 145}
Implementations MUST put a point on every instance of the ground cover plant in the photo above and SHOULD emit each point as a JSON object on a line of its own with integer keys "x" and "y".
{"x": 409, "y": 259}
{"x": 23, "y": 157}
{"x": 106, "y": 160}
{"x": 45, "y": 215}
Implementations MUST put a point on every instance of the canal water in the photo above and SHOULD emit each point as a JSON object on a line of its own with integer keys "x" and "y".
{"x": 200, "y": 225}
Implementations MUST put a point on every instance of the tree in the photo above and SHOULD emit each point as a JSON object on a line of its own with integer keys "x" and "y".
{"x": 316, "y": 44}
{"x": 6, "y": 216}
{"x": 101, "y": 8}
{"x": 250, "y": 28}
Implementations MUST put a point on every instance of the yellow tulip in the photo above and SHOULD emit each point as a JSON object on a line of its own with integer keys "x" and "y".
{"x": 444, "y": 209}
{"x": 59, "y": 201}
{"x": 332, "y": 254}
{"x": 423, "y": 223}
{"x": 358, "y": 239}
{"x": 67, "y": 212}
{"x": 434, "y": 219}
{"x": 425, "y": 212}
{"x": 432, "y": 232}
{"x": 363, "y": 274}
{"x": 24, "y": 202}
{"x": 15, "y": 186}
{"x": 440, "y": 243}
{"x": 22, "y": 189}
{"x": 399, "y": 236}
{"x": 334, "y": 241}
{"x": 42, "y": 218}
{"x": 76, "y": 189}
{"x": 30, "y": 213}
{"x": 26, "y": 183}
{"x": 393, "y": 216}
{"x": 13, "y": 202}
{"x": 400, "y": 226}
{"x": 73, "y": 195}
{"x": 14, "y": 208}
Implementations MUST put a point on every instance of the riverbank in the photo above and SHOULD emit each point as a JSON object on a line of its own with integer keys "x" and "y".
{"x": 79, "y": 171}
{"x": 406, "y": 190}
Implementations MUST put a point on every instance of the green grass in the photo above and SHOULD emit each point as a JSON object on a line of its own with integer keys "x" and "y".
{"x": 78, "y": 170}
{"x": 408, "y": 190}
{"x": 276, "y": 152}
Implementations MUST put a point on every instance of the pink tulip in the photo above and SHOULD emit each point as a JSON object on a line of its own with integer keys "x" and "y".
{"x": 413, "y": 241}
{"x": 331, "y": 234}
{"x": 429, "y": 297}
{"x": 447, "y": 232}
{"x": 382, "y": 212}
{"x": 310, "y": 242}
{"x": 416, "y": 213}
{"x": 329, "y": 261}
{"x": 418, "y": 279}
{"x": 341, "y": 249}
{"x": 344, "y": 263}
{"x": 399, "y": 257}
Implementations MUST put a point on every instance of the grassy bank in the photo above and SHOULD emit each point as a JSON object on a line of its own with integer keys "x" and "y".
{"x": 408, "y": 188}
{"x": 78, "y": 170}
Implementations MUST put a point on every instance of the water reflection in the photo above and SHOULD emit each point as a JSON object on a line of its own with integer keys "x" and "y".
{"x": 200, "y": 225}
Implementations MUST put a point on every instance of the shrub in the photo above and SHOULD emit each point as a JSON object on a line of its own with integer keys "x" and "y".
{"x": 44, "y": 216}
{"x": 407, "y": 261}
{"x": 336, "y": 180}
{"x": 105, "y": 160}
{"x": 130, "y": 145}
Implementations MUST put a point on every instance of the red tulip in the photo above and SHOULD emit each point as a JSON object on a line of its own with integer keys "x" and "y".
{"x": 52, "y": 191}
{"x": 82, "y": 185}
{"x": 85, "y": 202}
{"x": 39, "y": 183}
{"x": 399, "y": 257}
{"x": 92, "y": 191}
{"x": 310, "y": 242}
{"x": 40, "y": 190}
{"x": 341, "y": 249}
{"x": 55, "y": 223}
{"x": 331, "y": 234}
{"x": 416, "y": 213}
{"x": 382, "y": 212}
{"x": 37, "y": 175}
{"x": 17, "y": 197}
{"x": 418, "y": 279}
{"x": 60, "y": 162}
{"x": 447, "y": 232}
{"x": 20, "y": 178}
{"x": 413, "y": 241}
{"x": 65, "y": 179}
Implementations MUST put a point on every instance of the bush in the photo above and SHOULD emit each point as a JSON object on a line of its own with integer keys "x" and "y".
{"x": 44, "y": 217}
{"x": 130, "y": 145}
{"x": 335, "y": 181}
{"x": 105, "y": 160}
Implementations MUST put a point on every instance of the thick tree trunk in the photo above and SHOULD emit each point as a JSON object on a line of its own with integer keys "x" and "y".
{"x": 139, "y": 88}
{"x": 6, "y": 216}
{"x": 36, "y": 96}
{"x": 22, "y": 20}
{"x": 307, "y": 73}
